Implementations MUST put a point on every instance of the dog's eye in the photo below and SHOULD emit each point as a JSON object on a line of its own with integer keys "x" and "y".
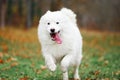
{"x": 57, "y": 22}
{"x": 48, "y": 23}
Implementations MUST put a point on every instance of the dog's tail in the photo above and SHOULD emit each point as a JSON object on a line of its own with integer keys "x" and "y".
{"x": 69, "y": 13}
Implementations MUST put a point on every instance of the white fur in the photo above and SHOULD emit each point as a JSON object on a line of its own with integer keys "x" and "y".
{"x": 69, "y": 53}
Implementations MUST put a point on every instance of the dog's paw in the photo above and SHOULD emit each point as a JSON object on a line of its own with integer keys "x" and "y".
{"x": 76, "y": 77}
{"x": 52, "y": 67}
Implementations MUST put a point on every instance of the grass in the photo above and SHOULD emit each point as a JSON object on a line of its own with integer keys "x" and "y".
{"x": 20, "y": 57}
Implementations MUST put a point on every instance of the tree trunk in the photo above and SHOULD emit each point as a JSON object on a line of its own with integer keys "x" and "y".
{"x": 56, "y": 5}
{"x": 29, "y": 22}
{"x": 3, "y": 12}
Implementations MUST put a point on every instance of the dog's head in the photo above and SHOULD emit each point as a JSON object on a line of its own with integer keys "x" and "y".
{"x": 54, "y": 22}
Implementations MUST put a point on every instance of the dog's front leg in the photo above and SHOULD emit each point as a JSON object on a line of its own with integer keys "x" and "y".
{"x": 50, "y": 62}
{"x": 64, "y": 66}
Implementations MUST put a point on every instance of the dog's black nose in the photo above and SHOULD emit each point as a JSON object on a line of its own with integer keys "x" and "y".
{"x": 52, "y": 30}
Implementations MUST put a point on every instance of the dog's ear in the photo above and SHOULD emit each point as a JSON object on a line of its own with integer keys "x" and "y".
{"x": 69, "y": 13}
{"x": 48, "y": 11}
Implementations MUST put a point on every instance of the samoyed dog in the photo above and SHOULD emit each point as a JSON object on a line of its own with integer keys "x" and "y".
{"x": 61, "y": 41}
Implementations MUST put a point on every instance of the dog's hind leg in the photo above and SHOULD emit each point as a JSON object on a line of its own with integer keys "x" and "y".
{"x": 65, "y": 75}
{"x": 76, "y": 73}
{"x": 64, "y": 66}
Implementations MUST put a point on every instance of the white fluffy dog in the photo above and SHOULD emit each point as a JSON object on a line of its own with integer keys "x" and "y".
{"x": 61, "y": 41}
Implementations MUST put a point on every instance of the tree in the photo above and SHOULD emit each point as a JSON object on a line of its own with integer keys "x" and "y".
{"x": 9, "y": 11}
{"x": 29, "y": 8}
{"x": 55, "y": 5}
{"x": 3, "y": 13}
{"x": 20, "y": 3}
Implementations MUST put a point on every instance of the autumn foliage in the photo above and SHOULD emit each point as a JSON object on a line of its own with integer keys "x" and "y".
{"x": 20, "y": 57}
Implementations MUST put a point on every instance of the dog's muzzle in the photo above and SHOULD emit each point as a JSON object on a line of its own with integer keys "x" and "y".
{"x": 55, "y": 36}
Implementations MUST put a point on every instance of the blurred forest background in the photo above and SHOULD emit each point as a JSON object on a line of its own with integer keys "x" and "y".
{"x": 91, "y": 14}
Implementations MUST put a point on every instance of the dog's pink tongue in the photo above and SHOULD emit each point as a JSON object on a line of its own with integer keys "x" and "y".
{"x": 57, "y": 39}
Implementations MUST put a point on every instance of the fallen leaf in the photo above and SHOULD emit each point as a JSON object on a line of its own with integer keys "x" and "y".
{"x": 2, "y": 79}
{"x": 1, "y": 54}
{"x": 11, "y": 59}
{"x": 43, "y": 67}
{"x": 97, "y": 72}
{"x": 106, "y": 79}
{"x": 5, "y": 48}
{"x": 14, "y": 64}
{"x": 1, "y": 61}
{"x": 86, "y": 65}
{"x": 38, "y": 71}
{"x": 106, "y": 62}
{"x": 87, "y": 79}
{"x": 117, "y": 73}
{"x": 6, "y": 68}
{"x": 25, "y": 78}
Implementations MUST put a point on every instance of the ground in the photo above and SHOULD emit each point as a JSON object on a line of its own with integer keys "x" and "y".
{"x": 20, "y": 56}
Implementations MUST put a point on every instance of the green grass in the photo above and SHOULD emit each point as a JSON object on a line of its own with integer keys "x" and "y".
{"x": 20, "y": 57}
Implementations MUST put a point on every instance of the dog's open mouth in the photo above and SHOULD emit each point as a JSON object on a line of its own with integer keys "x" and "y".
{"x": 56, "y": 37}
